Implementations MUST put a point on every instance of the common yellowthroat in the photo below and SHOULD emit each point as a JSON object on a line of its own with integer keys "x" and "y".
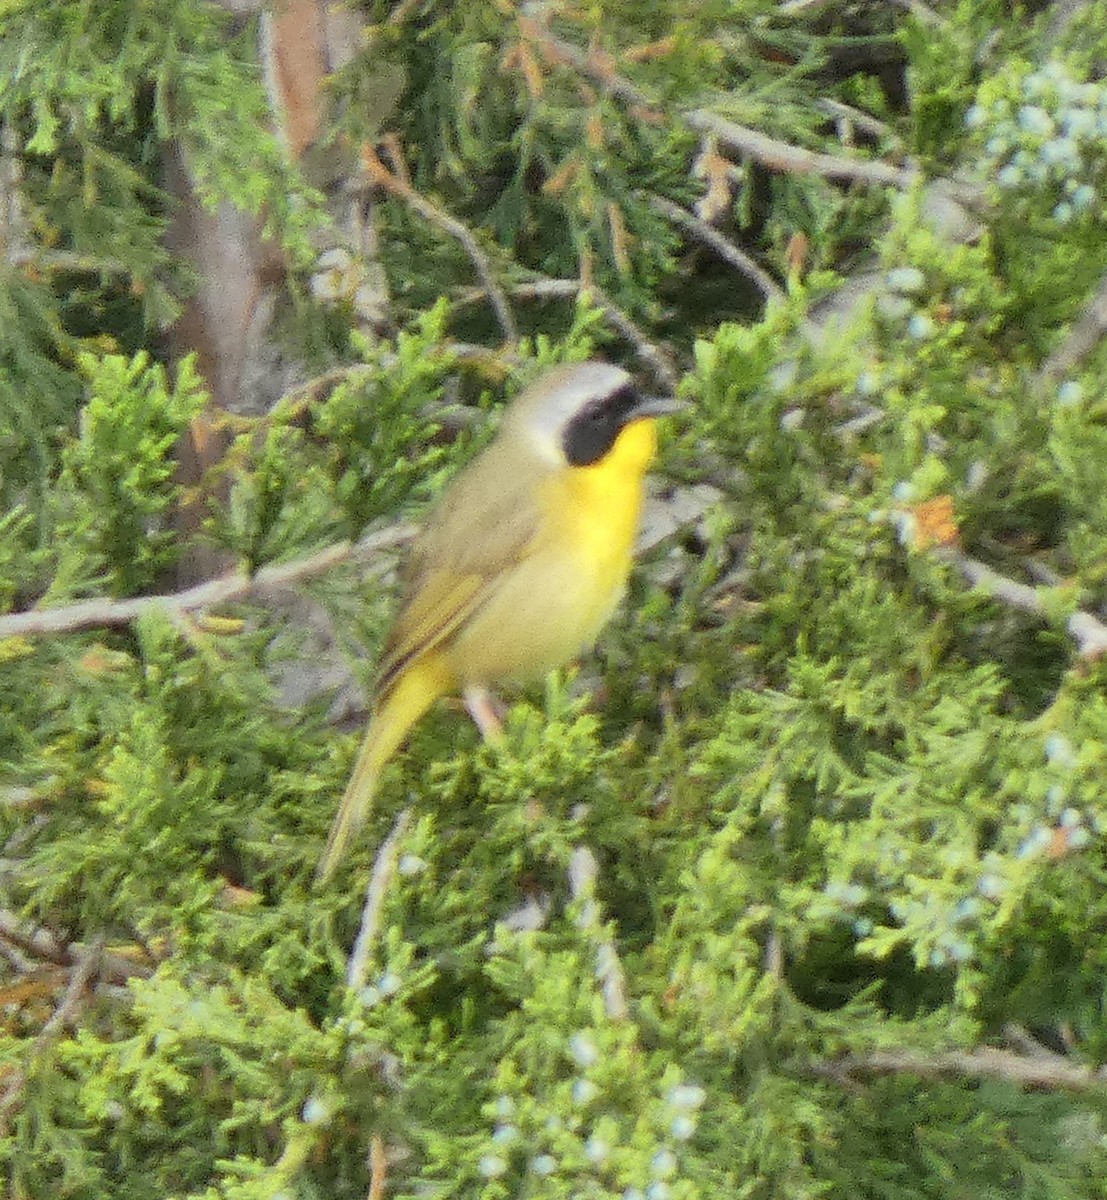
{"x": 521, "y": 563}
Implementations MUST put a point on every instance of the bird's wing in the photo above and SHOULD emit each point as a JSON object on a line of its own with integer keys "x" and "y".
{"x": 481, "y": 529}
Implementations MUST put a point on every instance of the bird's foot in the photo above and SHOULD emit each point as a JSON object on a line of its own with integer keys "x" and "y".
{"x": 485, "y": 710}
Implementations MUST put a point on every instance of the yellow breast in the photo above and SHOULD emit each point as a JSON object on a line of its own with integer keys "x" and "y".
{"x": 559, "y": 598}
{"x": 596, "y": 510}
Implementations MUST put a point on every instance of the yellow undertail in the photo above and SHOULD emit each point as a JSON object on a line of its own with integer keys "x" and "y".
{"x": 417, "y": 688}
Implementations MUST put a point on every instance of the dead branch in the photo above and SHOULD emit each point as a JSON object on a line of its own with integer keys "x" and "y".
{"x": 41, "y": 945}
{"x": 857, "y": 118}
{"x": 85, "y": 970}
{"x": 378, "y": 1168}
{"x": 583, "y": 872}
{"x": 234, "y": 586}
{"x": 378, "y": 175}
{"x": 557, "y": 289}
{"x": 1089, "y": 633}
{"x": 1049, "y": 1074}
{"x": 722, "y": 246}
{"x": 383, "y": 869}
{"x": 1086, "y": 334}
{"x": 783, "y": 156}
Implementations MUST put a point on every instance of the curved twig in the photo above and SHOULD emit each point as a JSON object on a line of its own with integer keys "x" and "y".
{"x": 722, "y": 246}
{"x": 379, "y": 175}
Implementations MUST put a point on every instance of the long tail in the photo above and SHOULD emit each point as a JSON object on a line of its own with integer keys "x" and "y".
{"x": 413, "y": 693}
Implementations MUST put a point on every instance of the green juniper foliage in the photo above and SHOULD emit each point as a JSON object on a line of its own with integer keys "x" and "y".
{"x": 771, "y": 897}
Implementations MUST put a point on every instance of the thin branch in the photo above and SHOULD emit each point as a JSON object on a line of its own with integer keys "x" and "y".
{"x": 921, "y": 12}
{"x": 379, "y": 175}
{"x": 583, "y": 872}
{"x": 864, "y": 121}
{"x": 1086, "y": 335}
{"x": 559, "y": 289}
{"x": 14, "y": 226}
{"x": 724, "y": 248}
{"x": 1064, "y": 16}
{"x": 42, "y": 946}
{"x": 84, "y": 972}
{"x": 402, "y": 11}
{"x": 783, "y": 156}
{"x": 1026, "y": 1044}
{"x": 1053, "y": 1074}
{"x": 599, "y": 67}
{"x": 646, "y": 350}
{"x": 1089, "y": 633}
{"x": 66, "y": 260}
{"x": 594, "y": 64}
{"x": 37, "y": 943}
{"x": 383, "y": 870}
{"x": 235, "y": 586}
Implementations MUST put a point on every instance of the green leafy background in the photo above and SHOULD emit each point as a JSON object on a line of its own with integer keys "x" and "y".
{"x": 846, "y": 813}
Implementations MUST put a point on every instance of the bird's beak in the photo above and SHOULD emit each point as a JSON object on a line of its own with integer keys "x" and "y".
{"x": 657, "y": 406}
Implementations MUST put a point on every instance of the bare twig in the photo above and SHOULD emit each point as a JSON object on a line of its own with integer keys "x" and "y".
{"x": 38, "y": 943}
{"x": 724, "y": 248}
{"x": 234, "y": 586}
{"x": 783, "y": 156}
{"x": 1086, "y": 334}
{"x": 402, "y": 11}
{"x": 646, "y": 350}
{"x": 383, "y": 869}
{"x": 774, "y": 955}
{"x": 864, "y": 121}
{"x": 594, "y": 64}
{"x": 84, "y": 971}
{"x": 66, "y": 260}
{"x": 15, "y": 235}
{"x": 379, "y": 175}
{"x": 42, "y": 946}
{"x": 1064, "y": 16}
{"x": 1089, "y": 633}
{"x": 583, "y": 872}
{"x": 770, "y": 152}
{"x": 558, "y": 289}
{"x": 1026, "y": 1044}
{"x": 1053, "y": 1074}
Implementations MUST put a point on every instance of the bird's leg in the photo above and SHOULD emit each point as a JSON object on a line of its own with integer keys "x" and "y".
{"x": 482, "y": 707}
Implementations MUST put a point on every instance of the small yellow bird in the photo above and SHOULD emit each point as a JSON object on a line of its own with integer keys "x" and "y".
{"x": 520, "y": 565}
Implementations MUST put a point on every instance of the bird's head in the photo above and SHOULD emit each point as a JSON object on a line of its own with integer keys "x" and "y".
{"x": 574, "y": 415}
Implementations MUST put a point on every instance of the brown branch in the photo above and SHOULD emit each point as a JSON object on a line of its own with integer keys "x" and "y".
{"x": 1052, "y": 1074}
{"x": 923, "y": 14}
{"x": 378, "y": 1168}
{"x": 402, "y": 11}
{"x": 84, "y": 972}
{"x": 40, "y": 944}
{"x": 379, "y": 175}
{"x": 857, "y": 117}
{"x": 1089, "y": 633}
{"x": 646, "y": 350}
{"x": 234, "y": 586}
{"x": 770, "y": 152}
{"x": 37, "y": 943}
